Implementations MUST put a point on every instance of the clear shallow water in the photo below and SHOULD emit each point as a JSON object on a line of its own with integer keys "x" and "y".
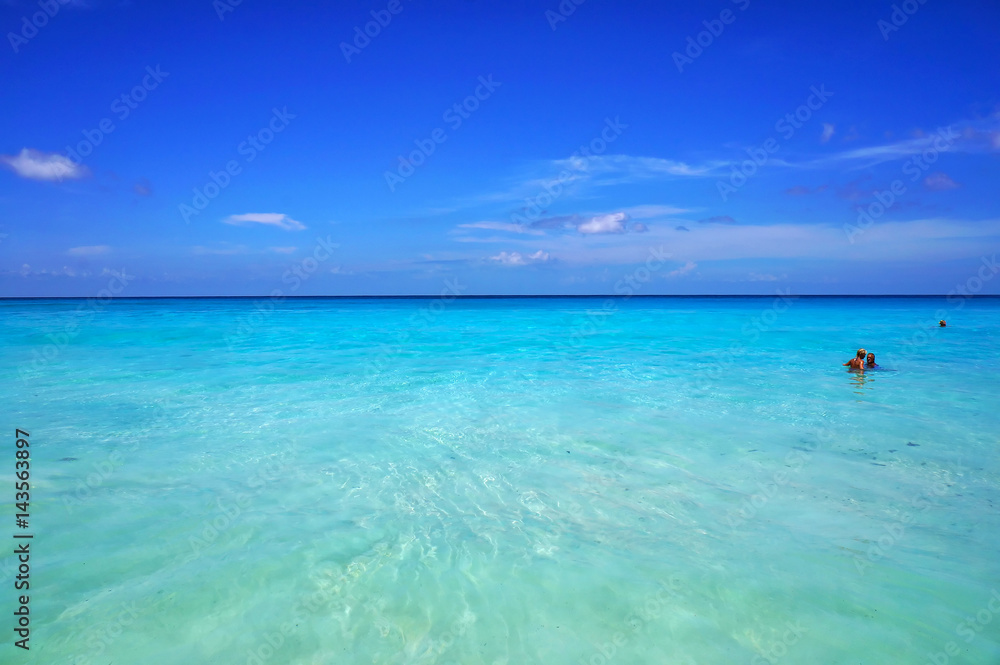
{"x": 507, "y": 481}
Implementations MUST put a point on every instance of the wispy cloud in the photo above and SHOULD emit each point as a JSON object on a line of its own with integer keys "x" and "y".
{"x": 718, "y": 219}
{"x": 66, "y": 271}
{"x": 624, "y": 168}
{"x": 654, "y": 211}
{"x": 518, "y": 259}
{"x": 960, "y": 137}
{"x": 266, "y": 218}
{"x": 940, "y": 182}
{"x": 48, "y": 166}
{"x": 89, "y": 250}
{"x": 827, "y": 134}
{"x": 502, "y": 226}
{"x": 604, "y": 223}
{"x": 683, "y": 270}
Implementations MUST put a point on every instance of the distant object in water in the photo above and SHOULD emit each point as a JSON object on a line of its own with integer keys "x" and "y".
{"x": 943, "y": 323}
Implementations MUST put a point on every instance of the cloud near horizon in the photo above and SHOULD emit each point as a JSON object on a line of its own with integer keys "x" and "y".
{"x": 683, "y": 270}
{"x": 718, "y": 219}
{"x": 518, "y": 259}
{"x": 279, "y": 220}
{"x": 502, "y": 226}
{"x": 90, "y": 250}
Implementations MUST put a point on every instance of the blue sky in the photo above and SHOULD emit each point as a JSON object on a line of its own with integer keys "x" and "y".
{"x": 514, "y": 147}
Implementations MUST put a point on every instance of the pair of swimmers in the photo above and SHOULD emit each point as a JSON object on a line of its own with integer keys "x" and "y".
{"x": 860, "y": 361}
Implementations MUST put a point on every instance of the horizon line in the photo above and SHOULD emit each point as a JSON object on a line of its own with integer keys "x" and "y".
{"x": 510, "y": 296}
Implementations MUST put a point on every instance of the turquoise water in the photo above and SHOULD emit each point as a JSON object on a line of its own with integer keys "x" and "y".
{"x": 498, "y": 482}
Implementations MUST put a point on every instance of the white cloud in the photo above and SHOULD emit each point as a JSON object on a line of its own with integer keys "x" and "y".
{"x": 827, "y": 134}
{"x": 635, "y": 167}
{"x": 683, "y": 270}
{"x": 283, "y": 250}
{"x": 509, "y": 259}
{"x": 37, "y": 165}
{"x": 27, "y": 271}
{"x": 92, "y": 250}
{"x": 501, "y": 226}
{"x": 613, "y": 223}
{"x": 652, "y": 211}
{"x": 267, "y": 218}
{"x": 517, "y": 259}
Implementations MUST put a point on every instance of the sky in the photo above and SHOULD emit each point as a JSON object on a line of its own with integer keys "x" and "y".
{"x": 411, "y": 147}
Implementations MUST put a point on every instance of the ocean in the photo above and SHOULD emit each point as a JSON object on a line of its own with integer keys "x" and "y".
{"x": 504, "y": 481}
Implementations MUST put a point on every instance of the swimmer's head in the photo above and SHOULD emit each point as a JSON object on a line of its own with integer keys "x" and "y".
{"x": 871, "y": 358}
{"x": 861, "y": 353}
{"x": 942, "y": 323}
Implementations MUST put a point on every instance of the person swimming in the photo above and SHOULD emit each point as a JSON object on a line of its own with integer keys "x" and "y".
{"x": 858, "y": 361}
{"x": 870, "y": 361}
{"x": 943, "y": 323}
